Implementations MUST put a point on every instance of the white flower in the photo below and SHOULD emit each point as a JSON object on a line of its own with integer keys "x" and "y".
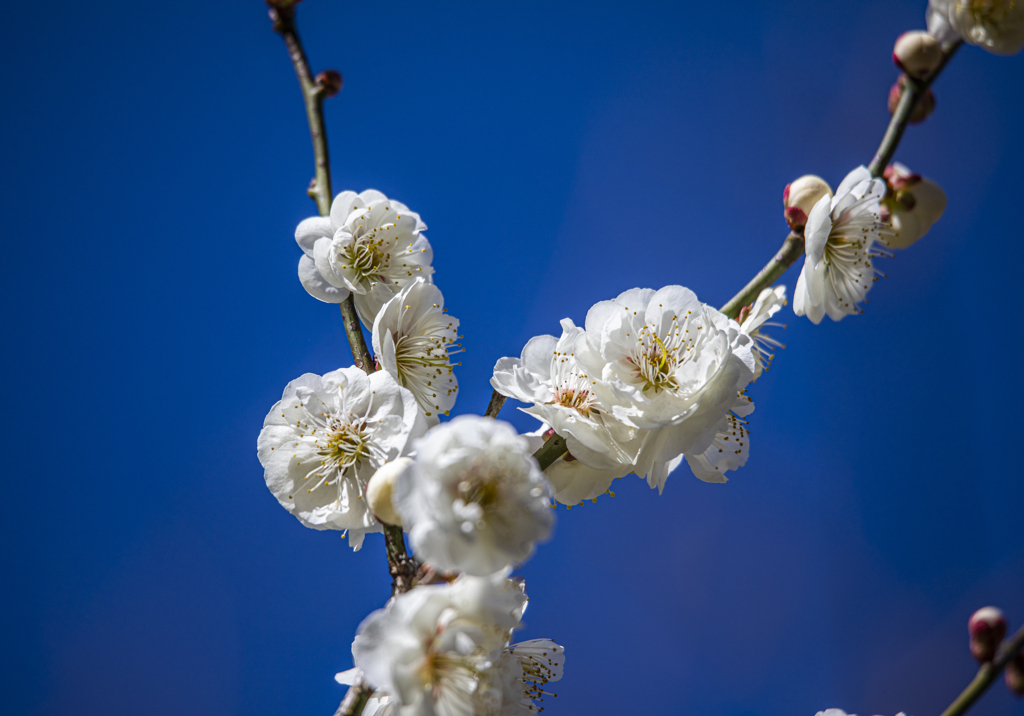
{"x": 669, "y": 365}
{"x": 526, "y": 668}
{"x": 840, "y": 241}
{"x": 730, "y": 447}
{"x": 475, "y": 500}
{"x": 564, "y": 396}
{"x": 325, "y": 438}
{"x": 993, "y": 25}
{"x": 573, "y": 480}
{"x": 769, "y": 302}
{"x": 370, "y": 245}
{"x": 911, "y": 205}
{"x": 434, "y": 650}
{"x": 413, "y": 338}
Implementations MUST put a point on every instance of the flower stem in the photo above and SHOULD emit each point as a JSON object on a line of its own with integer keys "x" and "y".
{"x": 494, "y": 407}
{"x": 282, "y": 13}
{"x": 793, "y": 246}
{"x": 792, "y": 249}
{"x": 552, "y": 449}
{"x": 986, "y": 675}
{"x": 913, "y": 92}
{"x": 355, "y": 700}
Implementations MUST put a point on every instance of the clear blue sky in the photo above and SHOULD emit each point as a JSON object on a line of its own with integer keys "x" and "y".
{"x": 155, "y": 157}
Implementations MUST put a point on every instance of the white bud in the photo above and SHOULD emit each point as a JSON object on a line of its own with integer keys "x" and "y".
{"x": 917, "y": 53}
{"x": 800, "y": 197}
{"x": 380, "y": 488}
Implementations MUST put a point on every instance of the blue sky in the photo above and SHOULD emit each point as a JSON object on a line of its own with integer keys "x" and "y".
{"x": 155, "y": 160}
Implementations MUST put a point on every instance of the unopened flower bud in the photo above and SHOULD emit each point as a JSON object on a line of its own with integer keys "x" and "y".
{"x": 925, "y": 106}
{"x": 917, "y": 53}
{"x": 987, "y": 627}
{"x": 330, "y": 81}
{"x": 1014, "y": 675}
{"x": 380, "y": 488}
{"x": 799, "y": 198}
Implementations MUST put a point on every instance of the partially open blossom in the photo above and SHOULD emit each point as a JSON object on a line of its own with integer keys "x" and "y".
{"x": 911, "y": 205}
{"x": 730, "y": 447}
{"x": 925, "y": 106}
{"x": 993, "y": 25}
{"x": 840, "y": 242}
{"x": 475, "y": 499}
{"x": 917, "y": 53}
{"x": 381, "y": 488}
{"x": 327, "y": 436}
{"x": 800, "y": 196}
{"x": 370, "y": 246}
{"x": 414, "y": 338}
{"x": 669, "y": 365}
{"x": 753, "y": 318}
{"x": 574, "y": 480}
{"x": 435, "y": 650}
{"x": 525, "y": 669}
{"x": 987, "y": 629}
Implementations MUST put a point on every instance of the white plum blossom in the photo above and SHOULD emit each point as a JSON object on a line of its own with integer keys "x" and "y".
{"x": 840, "y": 239}
{"x": 730, "y": 447}
{"x": 435, "y": 650}
{"x": 911, "y": 205}
{"x": 475, "y": 499}
{"x": 327, "y": 436}
{"x": 669, "y": 365}
{"x": 993, "y": 25}
{"x": 573, "y": 480}
{"x": 370, "y": 246}
{"x": 769, "y": 302}
{"x": 525, "y": 669}
{"x": 413, "y": 339}
{"x": 564, "y": 396}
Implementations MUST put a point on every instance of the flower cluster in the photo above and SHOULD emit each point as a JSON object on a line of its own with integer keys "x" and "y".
{"x": 651, "y": 378}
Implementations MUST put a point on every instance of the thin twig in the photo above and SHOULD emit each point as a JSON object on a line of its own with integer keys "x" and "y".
{"x": 793, "y": 247}
{"x": 988, "y": 673}
{"x": 494, "y": 407}
{"x": 356, "y": 341}
{"x": 355, "y": 699}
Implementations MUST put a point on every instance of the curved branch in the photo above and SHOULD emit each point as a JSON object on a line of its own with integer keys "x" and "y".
{"x": 552, "y": 449}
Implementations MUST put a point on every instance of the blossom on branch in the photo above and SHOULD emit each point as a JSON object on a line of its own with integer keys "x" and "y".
{"x": 435, "y": 650}
{"x": 668, "y": 365}
{"x": 993, "y": 25}
{"x": 840, "y": 239}
{"x": 475, "y": 500}
{"x": 327, "y": 436}
{"x": 413, "y": 340}
{"x": 911, "y": 205}
{"x": 370, "y": 246}
{"x": 769, "y": 302}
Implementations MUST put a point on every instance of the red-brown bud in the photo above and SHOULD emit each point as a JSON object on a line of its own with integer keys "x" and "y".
{"x": 987, "y": 628}
{"x": 925, "y": 106}
{"x": 330, "y": 81}
{"x": 917, "y": 53}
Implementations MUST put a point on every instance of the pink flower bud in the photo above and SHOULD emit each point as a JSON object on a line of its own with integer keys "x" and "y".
{"x": 924, "y": 107}
{"x": 1014, "y": 675}
{"x": 899, "y": 177}
{"x": 917, "y": 53}
{"x": 799, "y": 198}
{"x": 987, "y": 627}
{"x": 331, "y": 81}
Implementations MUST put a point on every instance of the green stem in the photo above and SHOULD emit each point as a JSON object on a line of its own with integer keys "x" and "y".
{"x": 988, "y": 673}
{"x": 793, "y": 247}
{"x": 282, "y": 12}
{"x": 552, "y": 449}
{"x": 494, "y": 407}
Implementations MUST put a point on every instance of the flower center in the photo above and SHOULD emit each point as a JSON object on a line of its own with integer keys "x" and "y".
{"x": 990, "y": 12}
{"x": 367, "y": 255}
{"x": 348, "y": 444}
{"x": 657, "y": 357}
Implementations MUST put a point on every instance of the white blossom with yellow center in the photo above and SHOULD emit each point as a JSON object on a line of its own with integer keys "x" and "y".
{"x": 327, "y": 436}
{"x": 435, "y": 650}
{"x": 370, "y": 246}
{"x": 993, "y": 25}
{"x": 841, "y": 239}
{"x": 414, "y": 339}
{"x": 474, "y": 500}
{"x": 668, "y": 365}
